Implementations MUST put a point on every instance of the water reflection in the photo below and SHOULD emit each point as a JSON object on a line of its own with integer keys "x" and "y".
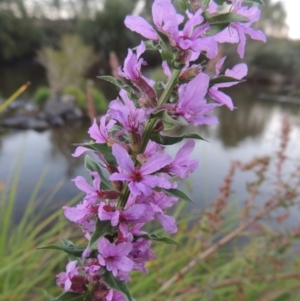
{"x": 249, "y": 120}
{"x": 62, "y": 144}
{"x": 242, "y": 134}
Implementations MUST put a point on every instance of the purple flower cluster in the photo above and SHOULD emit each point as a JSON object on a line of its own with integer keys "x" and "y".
{"x": 133, "y": 180}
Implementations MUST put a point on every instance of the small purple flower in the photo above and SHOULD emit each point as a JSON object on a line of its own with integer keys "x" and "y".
{"x": 159, "y": 203}
{"x": 238, "y": 72}
{"x": 114, "y": 257}
{"x": 192, "y": 105}
{"x": 141, "y": 253}
{"x": 70, "y": 281}
{"x": 182, "y": 166}
{"x": 114, "y": 296}
{"x": 93, "y": 193}
{"x": 236, "y": 31}
{"x": 127, "y": 114}
{"x": 139, "y": 213}
{"x": 167, "y": 20}
{"x": 132, "y": 71}
{"x": 140, "y": 178}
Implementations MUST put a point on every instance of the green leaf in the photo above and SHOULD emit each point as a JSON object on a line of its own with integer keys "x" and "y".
{"x": 72, "y": 250}
{"x": 103, "y": 149}
{"x": 73, "y": 297}
{"x": 178, "y": 193}
{"x": 215, "y": 28}
{"x": 261, "y": 2}
{"x": 168, "y": 121}
{"x": 93, "y": 166}
{"x": 222, "y": 79}
{"x": 116, "y": 284}
{"x": 166, "y": 240}
{"x": 183, "y": 5}
{"x": 170, "y": 140}
{"x": 102, "y": 228}
{"x": 219, "y": 2}
{"x": 226, "y": 18}
{"x": 113, "y": 80}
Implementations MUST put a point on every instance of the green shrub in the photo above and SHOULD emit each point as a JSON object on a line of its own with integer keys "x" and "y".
{"x": 41, "y": 95}
{"x": 99, "y": 101}
{"x": 79, "y": 95}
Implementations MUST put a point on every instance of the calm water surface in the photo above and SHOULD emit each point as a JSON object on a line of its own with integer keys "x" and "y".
{"x": 251, "y": 130}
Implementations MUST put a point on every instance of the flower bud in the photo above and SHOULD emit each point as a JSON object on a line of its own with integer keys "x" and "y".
{"x": 190, "y": 73}
{"x": 135, "y": 142}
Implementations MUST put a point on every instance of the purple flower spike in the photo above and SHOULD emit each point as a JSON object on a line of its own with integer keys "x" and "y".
{"x": 114, "y": 257}
{"x": 140, "y": 178}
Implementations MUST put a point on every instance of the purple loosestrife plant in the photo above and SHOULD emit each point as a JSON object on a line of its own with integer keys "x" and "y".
{"x": 129, "y": 140}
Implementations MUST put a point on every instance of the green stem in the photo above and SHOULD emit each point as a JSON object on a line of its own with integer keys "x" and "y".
{"x": 170, "y": 85}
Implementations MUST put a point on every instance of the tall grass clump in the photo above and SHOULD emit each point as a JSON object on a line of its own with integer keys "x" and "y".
{"x": 22, "y": 267}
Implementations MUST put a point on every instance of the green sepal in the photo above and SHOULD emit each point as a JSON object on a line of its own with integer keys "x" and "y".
{"x": 150, "y": 45}
{"x": 261, "y": 2}
{"x": 170, "y": 140}
{"x": 166, "y": 240}
{"x": 225, "y": 18}
{"x": 102, "y": 148}
{"x": 116, "y": 82}
{"x": 168, "y": 121}
{"x": 177, "y": 65}
{"x": 183, "y": 5}
{"x": 220, "y": 2}
{"x": 116, "y": 284}
{"x": 222, "y": 79}
{"x": 166, "y": 55}
{"x": 102, "y": 228}
{"x": 93, "y": 166}
{"x": 179, "y": 194}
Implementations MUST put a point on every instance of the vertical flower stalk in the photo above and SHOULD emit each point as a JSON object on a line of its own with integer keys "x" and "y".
{"x": 132, "y": 179}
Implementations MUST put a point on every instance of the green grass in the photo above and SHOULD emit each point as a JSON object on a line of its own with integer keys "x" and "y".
{"x": 23, "y": 268}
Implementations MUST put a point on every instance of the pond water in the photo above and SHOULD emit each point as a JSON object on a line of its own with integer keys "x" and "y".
{"x": 251, "y": 130}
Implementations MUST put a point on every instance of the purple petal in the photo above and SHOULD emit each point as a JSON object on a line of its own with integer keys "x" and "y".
{"x": 79, "y": 151}
{"x": 168, "y": 223}
{"x": 141, "y": 26}
{"x": 221, "y": 98}
{"x": 82, "y": 184}
{"x": 238, "y": 71}
{"x": 255, "y": 34}
{"x": 122, "y": 158}
{"x": 123, "y": 249}
{"x": 155, "y": 163}
{"x": 242, "y": 43}
{"x": 120, "y": 177}
{"x": 219, "y": 65}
